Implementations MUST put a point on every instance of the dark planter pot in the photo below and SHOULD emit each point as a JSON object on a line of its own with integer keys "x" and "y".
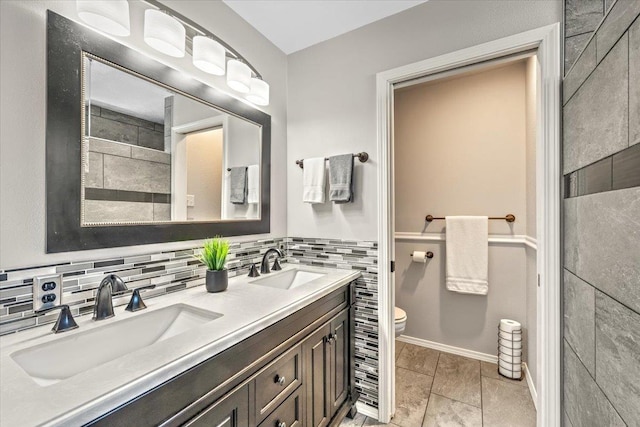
{"x": 217, "y": 281}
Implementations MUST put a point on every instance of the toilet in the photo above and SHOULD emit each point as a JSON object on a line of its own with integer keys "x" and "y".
{"x": 400, "y": 321}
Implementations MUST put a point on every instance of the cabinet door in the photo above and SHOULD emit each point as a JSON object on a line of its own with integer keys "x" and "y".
{"x": 339, "y": 361}
{"x": 230, "y": 411}
{"x": 316, "y": 377}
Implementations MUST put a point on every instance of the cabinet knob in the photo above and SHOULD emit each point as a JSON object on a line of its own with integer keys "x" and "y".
{"x": 331, "y": 337}
{"x": 280, "y": 380}
{"x": 281, "y": 424}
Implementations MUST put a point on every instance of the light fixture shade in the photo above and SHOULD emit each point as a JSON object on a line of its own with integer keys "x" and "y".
{"x": 164, "y": 33}
{"x": 259, "y": 93}
{"x": 209, "y": 55}
{"x": 239, "y": 76}
{"x": 108, "y": 16}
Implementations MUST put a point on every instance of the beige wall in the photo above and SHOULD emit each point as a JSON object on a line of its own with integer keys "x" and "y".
{"x": 204, "y": 174}
{"x": 460, "y": 148}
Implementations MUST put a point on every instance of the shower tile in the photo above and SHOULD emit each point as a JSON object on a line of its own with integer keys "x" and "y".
{"x": 592, "y": 132}
{"x": 585, "y": 64}
{"x": 572, "y": 48}
{"x": 584, "y": 401}
{"x": 596, "y": 177}
{"x": 418, "y": 359}
{"x": 458, "y": 378}
{"x": 602, "y": 244}
{"x": 446, "y": 412}
{"x": 634, "y": 83}
{"x": 617, "y": 355}
{"x": 506, "y": 405}
{"x": 621, "y": 15}
{"x": 579, "y": 319}
{"x": 412, "y": 395}
{"x": 582, "y": 16}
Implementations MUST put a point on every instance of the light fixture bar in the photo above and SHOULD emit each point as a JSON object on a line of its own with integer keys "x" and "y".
{"x": 202, "y": 31}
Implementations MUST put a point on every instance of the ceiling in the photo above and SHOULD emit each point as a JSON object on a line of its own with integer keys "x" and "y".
{"x": 293, "y": 25}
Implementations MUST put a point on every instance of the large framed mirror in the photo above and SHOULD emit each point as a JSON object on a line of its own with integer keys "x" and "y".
{"x": 139, "y": 153}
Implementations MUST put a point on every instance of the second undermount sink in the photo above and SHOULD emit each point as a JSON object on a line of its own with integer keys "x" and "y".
{"x": 67, "y": 356}
{"x": 289, "y": 279}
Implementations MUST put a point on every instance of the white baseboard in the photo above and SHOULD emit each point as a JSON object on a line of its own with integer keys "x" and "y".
{"x": 532, "y": 387}
{"x": 449, "y": 349}
{"x": 367, "y": 410}
{"x": 472, "y": 355}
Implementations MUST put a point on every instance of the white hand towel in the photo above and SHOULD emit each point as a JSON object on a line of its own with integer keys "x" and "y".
{"x": 253, "y": 184}
{"x": 313, "y": 180}
{"x": 467, "y": 254}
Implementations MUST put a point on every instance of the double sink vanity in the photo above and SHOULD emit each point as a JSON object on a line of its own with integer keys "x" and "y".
{"x": 276, "y": 351}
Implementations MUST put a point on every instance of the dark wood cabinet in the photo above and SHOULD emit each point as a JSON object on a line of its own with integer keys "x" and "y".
{"x": 339, "y": 361}
{"x": 326, "y": 355}
{"x": 316, "y": 376}
{"x": 230, "y": 411}
{"x": 296, "y": 372}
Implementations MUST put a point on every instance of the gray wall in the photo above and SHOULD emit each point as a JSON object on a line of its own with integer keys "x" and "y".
{"x": 602, "y": 225}
{"x": 332, "y": 98}
{"x": 22, "y": 123}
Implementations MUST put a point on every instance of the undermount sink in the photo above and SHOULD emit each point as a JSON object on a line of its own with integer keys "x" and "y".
{"x": 65, "y": 357}
{"x": 289, "y": 279}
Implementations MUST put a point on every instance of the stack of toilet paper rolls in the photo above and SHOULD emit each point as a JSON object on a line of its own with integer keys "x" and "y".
{"x": 510, "y": 349}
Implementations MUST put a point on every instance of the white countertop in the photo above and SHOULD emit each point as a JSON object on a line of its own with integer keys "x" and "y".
{"x": 246, "y": 308}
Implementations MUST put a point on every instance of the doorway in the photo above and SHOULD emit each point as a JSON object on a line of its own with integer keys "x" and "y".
{"x": 544, "y": 42}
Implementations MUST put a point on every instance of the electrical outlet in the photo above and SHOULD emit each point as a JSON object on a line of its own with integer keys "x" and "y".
{"x": 47, "y": 291}
{"x": 191, "y": 200}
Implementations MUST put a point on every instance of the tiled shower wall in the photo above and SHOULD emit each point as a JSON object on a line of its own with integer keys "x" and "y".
{"x": 581, "y": 19}
{"x": 178, "y": 270}
{"x": 601, "y": 292}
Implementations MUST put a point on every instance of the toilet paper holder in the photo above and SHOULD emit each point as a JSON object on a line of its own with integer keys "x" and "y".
{"x": 427, "y": 255}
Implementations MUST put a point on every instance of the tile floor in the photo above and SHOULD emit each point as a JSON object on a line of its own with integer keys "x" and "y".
{"x": 434, "y": 388}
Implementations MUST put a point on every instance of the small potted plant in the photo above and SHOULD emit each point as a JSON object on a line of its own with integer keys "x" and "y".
{"x": 214, "y": 255}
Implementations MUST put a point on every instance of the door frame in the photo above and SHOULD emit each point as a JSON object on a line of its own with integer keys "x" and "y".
{"x": 546, "y": 42}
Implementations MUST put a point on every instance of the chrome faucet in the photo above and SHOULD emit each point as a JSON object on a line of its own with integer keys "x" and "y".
{"x": 110, "y": 285}
{"x": 264, "y": 266}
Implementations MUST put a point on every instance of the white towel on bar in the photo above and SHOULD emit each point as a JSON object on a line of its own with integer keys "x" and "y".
{"x": 467, "y": 254}
{"x": 253, "y": 184}
{"x": 313, "y": 180}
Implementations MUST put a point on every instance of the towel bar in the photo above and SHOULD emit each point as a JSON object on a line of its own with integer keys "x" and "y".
{"x": 362, "y": 156}
{"x": 508, "y": 218}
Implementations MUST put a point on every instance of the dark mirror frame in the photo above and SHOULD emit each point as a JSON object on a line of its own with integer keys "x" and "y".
{"x": 66, "y": 40}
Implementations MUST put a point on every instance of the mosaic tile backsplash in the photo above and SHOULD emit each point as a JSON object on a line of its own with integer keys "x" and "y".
{"x": 351, "y": 255}
{"x": 170, "y": 271}
{"x": 173, "y": 271}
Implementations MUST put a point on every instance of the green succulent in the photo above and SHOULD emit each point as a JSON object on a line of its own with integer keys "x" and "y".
{"x": 214, "y": 253}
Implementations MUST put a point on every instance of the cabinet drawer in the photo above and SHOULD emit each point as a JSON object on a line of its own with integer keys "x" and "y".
{"x": 230, "y": 411}
{"x": 288, "y": 414}
{"x": 276, "y": 381}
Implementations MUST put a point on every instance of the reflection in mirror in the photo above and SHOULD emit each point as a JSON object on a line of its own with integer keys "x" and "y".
{"x": 152, "y": 154}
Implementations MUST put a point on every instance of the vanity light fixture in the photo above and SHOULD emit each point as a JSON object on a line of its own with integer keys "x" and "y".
{"x": 239, "y": 76}
{"x": 171, "y": 33}
{"x": 164, "y": 33}
{"x": 259, "y": 92}
{"x": 111, "y": 17}
{"x": 209, "y": 55}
